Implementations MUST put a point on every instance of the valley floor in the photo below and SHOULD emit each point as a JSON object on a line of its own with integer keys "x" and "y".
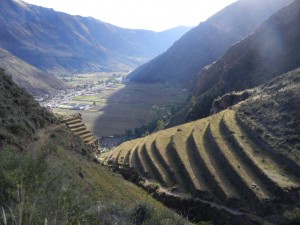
{"x": 113, "y": 107}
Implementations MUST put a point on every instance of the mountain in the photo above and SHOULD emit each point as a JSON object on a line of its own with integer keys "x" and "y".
{"x": 207, "y": 42}
{"x": 35, "y": 81}
{"x": 49, "y": 176}
{"x": 246, "y": 158}
{"x": 273, "y": 49}
{"x": 60, "y": 43}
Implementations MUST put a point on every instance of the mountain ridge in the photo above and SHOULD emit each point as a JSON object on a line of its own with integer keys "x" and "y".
{"x": 205, "y": 43}
{"x": 35, "y": 81}
{"x": 57, "y": 42}
{"x": 270, "y": 51}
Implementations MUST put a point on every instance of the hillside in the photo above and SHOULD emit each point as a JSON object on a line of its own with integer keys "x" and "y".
{"x": 271, "y": 50}
{"x": 204, "y": 44}
{"x": 35, "y": 81}
{"x": 60, "y": 43}
{"x": 20, "y": 115}
{"x": 49, "y": 176}
{"x": 245, "y": 158}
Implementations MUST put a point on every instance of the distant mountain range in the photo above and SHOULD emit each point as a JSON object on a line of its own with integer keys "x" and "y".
{"x": 35, "y": 81}
{"x": 207, "y": 42}
{"x": 60, "y": 43}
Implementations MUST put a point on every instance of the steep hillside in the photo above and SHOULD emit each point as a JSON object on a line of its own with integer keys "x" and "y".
{"x": 273, "y": 113}
{"x": 271, "y": 50}
{"x": 235, "y": 158}
{"x": 35, "y": 81}
{"x": 57, "y": 42}
{"x": 206, "y": 42}
{"x": 20, "y": 115}
{"x": 48, "y": 176}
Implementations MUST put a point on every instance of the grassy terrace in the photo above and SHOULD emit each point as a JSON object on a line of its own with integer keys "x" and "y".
{"x": 212, "y": 170}
{"x": 139, "y": 161}
{"x": 212, "y": 158}
{"x": 267, "y": 163}
{"x": 158, "y": 170}
{"x": 164, "y": 167}
{"x": 243, "y": 174}
{"x": 125, "y": 152}
{"x": 180, "y": 141}
{"x": 215, "y": 159}
{"x": 78, "y": 128}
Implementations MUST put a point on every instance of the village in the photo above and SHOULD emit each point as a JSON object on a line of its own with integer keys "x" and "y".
{"x": 63, "y": 98}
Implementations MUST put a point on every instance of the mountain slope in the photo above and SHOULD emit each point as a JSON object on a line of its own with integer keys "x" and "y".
{"x": 235, "y": 158}
{"x": 21, "y": 116}
{"x": 35, "y": 81}
{"x": 206, "y": 42}
{"x": 48, "y": 175}
{"x": 57, "y": 42}
{"x": 273, "y": 49}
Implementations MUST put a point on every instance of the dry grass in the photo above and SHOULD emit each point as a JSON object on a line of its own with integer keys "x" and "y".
{"x": 263, "y": 159}
{"x": 237, "y": 164}
{"x": 180, "y": 140}
{"x": 215, "y": 169}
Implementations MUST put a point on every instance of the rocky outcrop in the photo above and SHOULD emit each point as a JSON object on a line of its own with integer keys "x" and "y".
{"x": 229, "y": 99}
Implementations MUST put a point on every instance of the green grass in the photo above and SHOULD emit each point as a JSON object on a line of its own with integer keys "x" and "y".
{"x": 80, "y": 79}
{"x": 58, "y": 181}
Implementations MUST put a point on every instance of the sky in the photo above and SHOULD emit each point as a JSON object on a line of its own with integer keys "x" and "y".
{"x": 154, "y": 15}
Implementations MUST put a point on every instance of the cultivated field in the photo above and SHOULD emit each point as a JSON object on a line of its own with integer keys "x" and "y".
{"x": 81, "y": 79}
{"x": 118, "y": 107}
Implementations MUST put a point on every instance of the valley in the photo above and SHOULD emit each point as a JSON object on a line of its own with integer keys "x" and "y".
{"x": 109, "y": 106}
{"x": 105, "y": 125}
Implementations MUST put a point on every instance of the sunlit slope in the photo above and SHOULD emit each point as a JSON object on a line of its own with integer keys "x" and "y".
{"x": 212, "y": 158}
{"x": 219, "y": 158}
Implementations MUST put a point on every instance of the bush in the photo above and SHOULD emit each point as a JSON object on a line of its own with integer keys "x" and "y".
{"x": 292, "y": 216}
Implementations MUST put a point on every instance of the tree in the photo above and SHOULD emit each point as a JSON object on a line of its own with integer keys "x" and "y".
{"x": 128, "y": 132}
{"x": 160, "y": 124}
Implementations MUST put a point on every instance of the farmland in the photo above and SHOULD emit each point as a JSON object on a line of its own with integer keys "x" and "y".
{"x": 114, "y": 107}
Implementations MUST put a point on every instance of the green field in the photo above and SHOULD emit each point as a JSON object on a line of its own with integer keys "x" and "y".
{"x": 80, "y": 79}
{"x": 122, "y": 107}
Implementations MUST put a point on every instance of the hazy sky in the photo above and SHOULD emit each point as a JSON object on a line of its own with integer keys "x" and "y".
{"x": 145, "y": 14}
